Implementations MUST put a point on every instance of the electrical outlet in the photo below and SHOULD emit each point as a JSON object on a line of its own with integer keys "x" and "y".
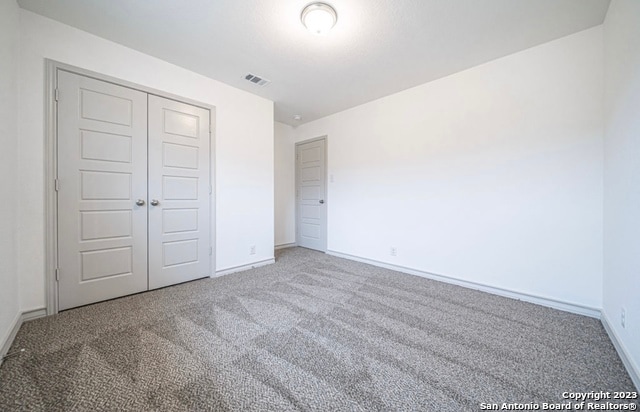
{"x": 393, "y": 251}
{"x": 252, "y": 250}
{"x": 623, "y": 317}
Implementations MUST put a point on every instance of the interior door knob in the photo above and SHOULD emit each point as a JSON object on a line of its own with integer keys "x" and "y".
{"x": 140, "y": 202}
{"x": 154, "y": 202}
{"x": 321, "y": 201}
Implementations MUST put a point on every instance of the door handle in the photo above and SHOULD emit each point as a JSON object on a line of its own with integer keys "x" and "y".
{"x": 321, "y": 201}
{"x": 140, "y": 202}
{"x": 154, "y": 202}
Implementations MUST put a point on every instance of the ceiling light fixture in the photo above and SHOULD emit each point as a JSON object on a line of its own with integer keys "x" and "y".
{"x": 319, "y": 18}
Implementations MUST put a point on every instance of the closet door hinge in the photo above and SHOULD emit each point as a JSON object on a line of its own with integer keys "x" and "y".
{"x": 210, "y": 189}
{"x": 56, "y": 94}
{"x": 57, "y": 275}
{"x": 56, "y": 185}
{"x": 210, "y": 250}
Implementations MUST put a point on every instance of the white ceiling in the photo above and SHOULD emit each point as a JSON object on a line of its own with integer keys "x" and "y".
{"x": 378, "y": 47}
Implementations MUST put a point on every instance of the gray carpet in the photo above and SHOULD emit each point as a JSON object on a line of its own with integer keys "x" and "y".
{"x": 311, "y": 332}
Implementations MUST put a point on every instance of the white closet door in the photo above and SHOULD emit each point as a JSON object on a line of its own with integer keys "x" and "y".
{"x": 102, "y": 172}
{"x": 179, "y": 192}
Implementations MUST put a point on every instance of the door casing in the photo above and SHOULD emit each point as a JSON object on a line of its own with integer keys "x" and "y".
{"x": 50, "y": 167}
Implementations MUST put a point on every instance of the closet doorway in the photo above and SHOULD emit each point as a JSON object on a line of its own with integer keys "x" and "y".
{"x": 132, "y": 190}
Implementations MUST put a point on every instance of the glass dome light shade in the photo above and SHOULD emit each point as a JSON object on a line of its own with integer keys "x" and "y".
{"x": 319, "y": 18}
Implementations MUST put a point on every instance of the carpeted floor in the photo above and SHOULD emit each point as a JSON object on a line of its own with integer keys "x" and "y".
{"x": 311, "y": 332}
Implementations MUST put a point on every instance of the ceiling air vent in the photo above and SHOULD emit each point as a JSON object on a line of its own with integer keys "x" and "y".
{"x": 257, "y": 80}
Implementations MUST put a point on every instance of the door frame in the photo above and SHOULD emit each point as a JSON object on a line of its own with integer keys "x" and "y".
{"x": 51, "y": 167}
{"x": 325, "y": 138}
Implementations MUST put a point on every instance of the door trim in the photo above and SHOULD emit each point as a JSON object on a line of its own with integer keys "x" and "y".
{"x": 325, "y": 138}
{"x": 50, "y": 167}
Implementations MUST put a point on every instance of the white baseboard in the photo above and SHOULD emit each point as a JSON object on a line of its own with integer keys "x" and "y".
{"x": 629, "y": 364}
{"x": 10, "y": 336}
{"x": 552, "y": 303}
{"x": 286, "y": 245}
{"x": 33, "y": 314}
{"x": 241, "y": 268}
{"x": 20, "y": 318}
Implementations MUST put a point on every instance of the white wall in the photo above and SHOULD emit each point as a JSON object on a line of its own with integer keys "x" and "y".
{"x": 622, "y": 174}
{"x": 492, "y": 175}
{"x": 243, "y": 144}
{"x": 285, "y": 213}
{"x": 9, "y": 35}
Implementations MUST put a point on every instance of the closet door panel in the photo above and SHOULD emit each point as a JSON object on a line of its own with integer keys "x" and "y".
{"x": 102, "y": 172}
{"x": 179, "y": 195}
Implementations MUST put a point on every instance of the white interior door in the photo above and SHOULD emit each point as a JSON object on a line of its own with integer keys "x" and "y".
{"x": 179, "y": 192}
{"x": 102, "y": 172}
{"x": 311, "y": 204}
